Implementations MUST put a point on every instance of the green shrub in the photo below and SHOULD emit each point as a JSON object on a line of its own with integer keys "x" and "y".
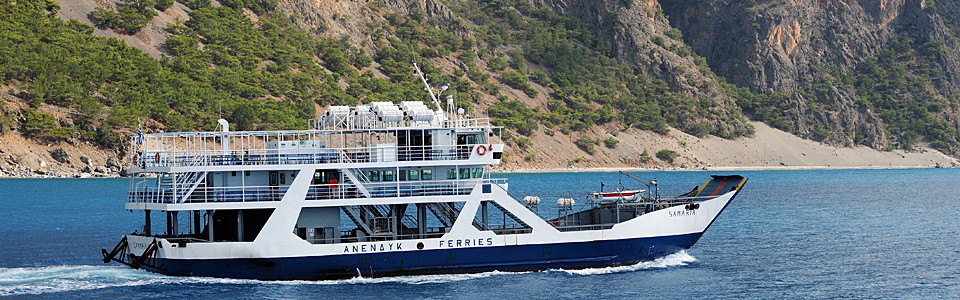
{"x": 667, "y": 155}
{"x": 131, "y": 16}
{"x": 657, "y": 40}
{"x": 645, "y": 156}
{"x": 38, "y": 124}
{"x": 514, "y": 114}
{"x": 586, "y": 144}
{"x": 674, "y": 33}
{"x": 610, "y": 142}
{"x": 523, "y": 142}
{"x": 163, "y": 5}
{"x": 514, "y": 79}
{"x": 62, "y": 132}
{"x": 497, "y": 64}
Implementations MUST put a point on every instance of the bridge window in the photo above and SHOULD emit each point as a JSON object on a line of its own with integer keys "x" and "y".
{"x": 414, "y": 175}
{"x": 427, "y": 175}
{"x": 373, "y": 176}
{"x": 478, "y": 173}
{"x": 451, "y": 173}
{"x": 464, "y": 173}
{"x": 470, "y": 139}
{"x": 388, "y": 175}
{"x": 325, "y": 176}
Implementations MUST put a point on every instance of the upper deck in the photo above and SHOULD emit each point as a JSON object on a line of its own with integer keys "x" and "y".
{"x": 339, "y": 141}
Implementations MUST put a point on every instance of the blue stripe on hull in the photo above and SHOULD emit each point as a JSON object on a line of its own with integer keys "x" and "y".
{"x": 454, "y": 260}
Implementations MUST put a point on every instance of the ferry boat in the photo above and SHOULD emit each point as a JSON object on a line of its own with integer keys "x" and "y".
{"x": 379, "y": 190}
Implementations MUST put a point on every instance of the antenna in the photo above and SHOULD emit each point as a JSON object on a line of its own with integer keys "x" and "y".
{"x": 427, "y": 86}
{"x": 440, "y": 117}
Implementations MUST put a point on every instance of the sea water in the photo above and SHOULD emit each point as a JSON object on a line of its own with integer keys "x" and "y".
{"x": 793, "y": 234}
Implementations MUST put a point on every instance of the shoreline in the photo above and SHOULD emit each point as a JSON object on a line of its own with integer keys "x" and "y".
{"x": 718, "y": 169}
{"x": 769, "y": 150}
{"x": 609, "y": 169}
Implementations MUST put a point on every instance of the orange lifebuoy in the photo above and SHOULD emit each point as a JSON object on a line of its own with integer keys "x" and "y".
{"x": 482, "y": 150}
{"x": 136, "y": 159}
{"x": 156, "y": 158}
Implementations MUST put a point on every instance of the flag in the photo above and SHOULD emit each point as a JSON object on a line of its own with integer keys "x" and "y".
{"x": 139, "y": 132}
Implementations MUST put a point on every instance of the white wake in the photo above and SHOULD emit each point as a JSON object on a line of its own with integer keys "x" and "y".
{"x": 677, "y": 259}
{"x": 54, "y": 279}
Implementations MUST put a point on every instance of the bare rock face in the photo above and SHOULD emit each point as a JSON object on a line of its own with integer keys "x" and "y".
{"x": 60, "y": 156}
{"x": 112, "y": 164}
{"x": 783, "y": 46}
{"x": 772, "y": 47}
{"x": 637, "y": 32}
{"x": 835, "y": 116}
{"x": 349, "y": 18}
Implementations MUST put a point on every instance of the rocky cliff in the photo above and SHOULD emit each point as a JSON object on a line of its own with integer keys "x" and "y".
{"x": 789, "y": 46}
{"x": 802, "y": 54}
{"x": 558, "y": 74}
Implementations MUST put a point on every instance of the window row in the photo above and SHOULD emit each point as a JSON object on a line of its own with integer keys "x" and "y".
{"x": 418, "y": 174}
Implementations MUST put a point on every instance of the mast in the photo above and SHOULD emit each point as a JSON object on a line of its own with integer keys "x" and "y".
{"x": 440, "y": 117}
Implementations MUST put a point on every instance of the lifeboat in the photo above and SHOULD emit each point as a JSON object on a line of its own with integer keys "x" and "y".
{"x": 611, "y": 197}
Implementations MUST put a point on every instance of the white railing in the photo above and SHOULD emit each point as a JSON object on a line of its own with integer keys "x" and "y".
{"x": 353, "y": 121}
{"x": 148, "y": 194}
{"x": 389, "y": 189}
{"x": 187, "y": 149}
{"x": 320, "y": 156}
{"x": 142, "y": 193}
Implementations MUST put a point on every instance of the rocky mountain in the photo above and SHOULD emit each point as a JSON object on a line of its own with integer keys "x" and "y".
{"x": 868, "y": 65}
{"x": 565, "y": 74}
{"x": 798, "y": 56}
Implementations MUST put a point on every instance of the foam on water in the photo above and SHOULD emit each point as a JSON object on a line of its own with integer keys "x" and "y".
{"x": 54, "y": 279}
{"x": 19, "y": 281}
{"x": 677, "y": 259}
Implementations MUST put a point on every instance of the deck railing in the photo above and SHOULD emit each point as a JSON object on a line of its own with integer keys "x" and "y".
{"x": 319, "y": 156}
{"x": 149, "y": 194}
{"x": 186, "y": 149}
{"x": 358, "y": 122}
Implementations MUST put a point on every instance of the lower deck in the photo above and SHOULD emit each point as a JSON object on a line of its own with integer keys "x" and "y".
{"x": 460, "y": 260}
{"x": 485, "y": 230}
{"x": 398, "y": 220}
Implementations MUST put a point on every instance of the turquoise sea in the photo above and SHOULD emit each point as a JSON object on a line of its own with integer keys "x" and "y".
{"x": 789, "y": 234}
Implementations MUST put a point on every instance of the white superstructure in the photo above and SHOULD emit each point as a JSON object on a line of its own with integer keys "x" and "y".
{"x": 382, "y": 189}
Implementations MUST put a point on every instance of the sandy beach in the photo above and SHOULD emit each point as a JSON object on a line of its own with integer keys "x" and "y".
{"x": 768, "y": 149}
